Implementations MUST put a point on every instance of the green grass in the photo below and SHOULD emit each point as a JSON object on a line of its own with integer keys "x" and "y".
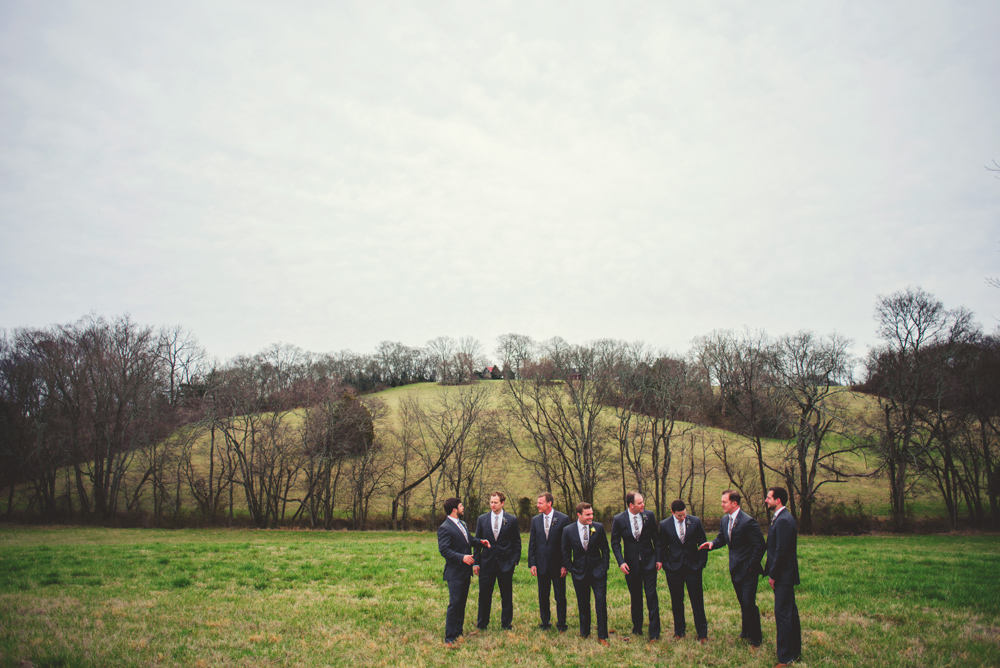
{"x": 104, "y": 597}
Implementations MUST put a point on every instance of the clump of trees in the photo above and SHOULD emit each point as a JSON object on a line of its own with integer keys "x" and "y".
{"x": 106, "y": 418}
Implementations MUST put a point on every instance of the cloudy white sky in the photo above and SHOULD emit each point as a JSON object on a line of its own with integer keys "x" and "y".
{"x": 334, "y": 174}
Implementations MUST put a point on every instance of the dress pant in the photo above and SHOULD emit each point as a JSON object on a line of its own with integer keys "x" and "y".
{"x": 746, "y": 594}
{"x": 676, "y": 580}
{"x": 558, "y": 586}
{"x": 458, "y": 594}
{"x": 505, "y": 583}
{"x": 644, "y": 582}
{"x": 786, "y": 619}
{"x": 600, "y": 588}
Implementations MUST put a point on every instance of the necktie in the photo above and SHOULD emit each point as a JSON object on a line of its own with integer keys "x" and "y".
{"x": 635, "y": 526}
{"x": 731, "y": 523}
{"x": 547, "y": 526}
{"x": 682, "y": 533}
{"x": 586, "y": 536}
{"x": 464, "y": 532}
{"x": 496, "y": 526}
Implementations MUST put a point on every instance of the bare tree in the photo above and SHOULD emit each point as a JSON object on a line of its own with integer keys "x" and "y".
{"x": 911, "y": 325}
{"x": 553, "y": 419}
{"x": 437, "y": 432}
{"x": 810, "y": 373}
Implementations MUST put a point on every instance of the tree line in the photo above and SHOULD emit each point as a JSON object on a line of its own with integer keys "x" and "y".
{"x": 108, "y": 418}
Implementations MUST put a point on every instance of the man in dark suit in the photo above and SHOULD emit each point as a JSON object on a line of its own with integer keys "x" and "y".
{"x": 683, "y": 562}
{"x": 639, "y": 561}
{"x": 782, "y": 571}
{"x": 545, "y": 560}
{"x": 586, "y": 557}
{"x": 455, "y": 545}
{"x": 496, "y": 565}
{"x": 741, "y": 534}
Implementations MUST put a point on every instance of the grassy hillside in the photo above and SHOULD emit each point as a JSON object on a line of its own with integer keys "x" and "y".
{"x": 515, "y": 478}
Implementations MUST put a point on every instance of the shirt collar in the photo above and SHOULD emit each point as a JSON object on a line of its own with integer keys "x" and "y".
{"x": 777, "y": 511}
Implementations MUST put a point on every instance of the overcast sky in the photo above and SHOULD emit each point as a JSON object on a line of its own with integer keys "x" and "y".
{"x": 335, "y": 174}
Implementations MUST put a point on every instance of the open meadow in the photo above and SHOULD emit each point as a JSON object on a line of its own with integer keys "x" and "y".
{"x": 96, "y": 597}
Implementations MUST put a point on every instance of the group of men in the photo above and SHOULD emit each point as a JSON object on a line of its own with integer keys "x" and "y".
{"x": 678, "y": 545}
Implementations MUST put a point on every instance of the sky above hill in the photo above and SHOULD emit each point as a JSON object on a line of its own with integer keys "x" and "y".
{"x": 335, "y": 174}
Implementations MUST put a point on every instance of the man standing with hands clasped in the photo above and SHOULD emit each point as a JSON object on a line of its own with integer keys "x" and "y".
{"x": 683, "y": 562}
{"x": 455, "y": 545}
{"x": 782, "y": 571}
{"x": 545, "y": 560}
{"x": 741, "y": 534}
{"x": 637, "y": 528}
{"x": 496, "y": 565}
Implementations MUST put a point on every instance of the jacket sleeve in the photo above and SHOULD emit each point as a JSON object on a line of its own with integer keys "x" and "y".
{"x": 778, "y": 554}
{"x": 567, "y": 549}
{"x": 616, "y": 540}
{"x": 476, "y": 542}
{"x": 698, "y": 537}
{"x": 759, "y": 547}
{"x": 604, "y": 550}
{"x": 516, "y": 542}
{"x": 531, "y": 544}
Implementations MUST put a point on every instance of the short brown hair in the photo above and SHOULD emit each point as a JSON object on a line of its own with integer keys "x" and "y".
{"x": 548, "y": 497}
{"x": 500, "y": 494}
{"x": 582, "y": 506}
{"x": 734, "y": 497}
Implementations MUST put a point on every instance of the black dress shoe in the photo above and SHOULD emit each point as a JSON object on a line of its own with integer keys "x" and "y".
{"x": 544, "y": 627}
{"x": 562, "y": 629}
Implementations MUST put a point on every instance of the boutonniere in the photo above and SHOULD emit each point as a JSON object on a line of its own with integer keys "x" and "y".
{"x": 592, "y": 529}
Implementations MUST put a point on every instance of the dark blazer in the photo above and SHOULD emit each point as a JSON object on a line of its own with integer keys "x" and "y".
{"x": 546, "y": 553}
{"x": 745, "y": 548}
{"x": 674, "y": 554}
{"x": 594, "y": 561}
{"x": 453, "y": 547}
{"x": 640, "y": 555}
{"x": 782, "y": 564}
{"x": 505, "y": 551}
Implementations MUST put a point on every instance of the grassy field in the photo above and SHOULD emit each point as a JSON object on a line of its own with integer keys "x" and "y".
{"x": 77, "y": 597}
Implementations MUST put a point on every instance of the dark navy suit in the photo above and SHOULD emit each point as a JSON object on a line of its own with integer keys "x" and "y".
{"x": 496, "y": 566}
{"x": 589, "y": 568}
{"x": 545, "y": 556}
{"x": 782, "y": 566}
{"x": 641, "y": 556}
{"x": 453, "y": 546}
{"x": 683, "y": 563}
{"x": 746, "y": 547}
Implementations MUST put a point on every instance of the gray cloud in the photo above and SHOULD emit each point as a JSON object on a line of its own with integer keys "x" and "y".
{"x": 336, "y": 174}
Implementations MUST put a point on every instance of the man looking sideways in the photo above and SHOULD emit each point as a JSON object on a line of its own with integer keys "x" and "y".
{"x": 455, "y": 545}
{"x": 782, "y": 571}
{"x": 741, "y": 534}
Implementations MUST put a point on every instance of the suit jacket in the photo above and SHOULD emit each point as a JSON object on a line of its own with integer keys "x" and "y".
{"x": 505, "y": 550}
{"x": 782, "y": 564}
{"x": 746, "y": 546}
{"x": 545, "y": 554}
{"x": 593, "y": 561}
{"x": 453, "y": 547}
{"x": 673, "y": 553}
{"x": 642, "y": 554}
